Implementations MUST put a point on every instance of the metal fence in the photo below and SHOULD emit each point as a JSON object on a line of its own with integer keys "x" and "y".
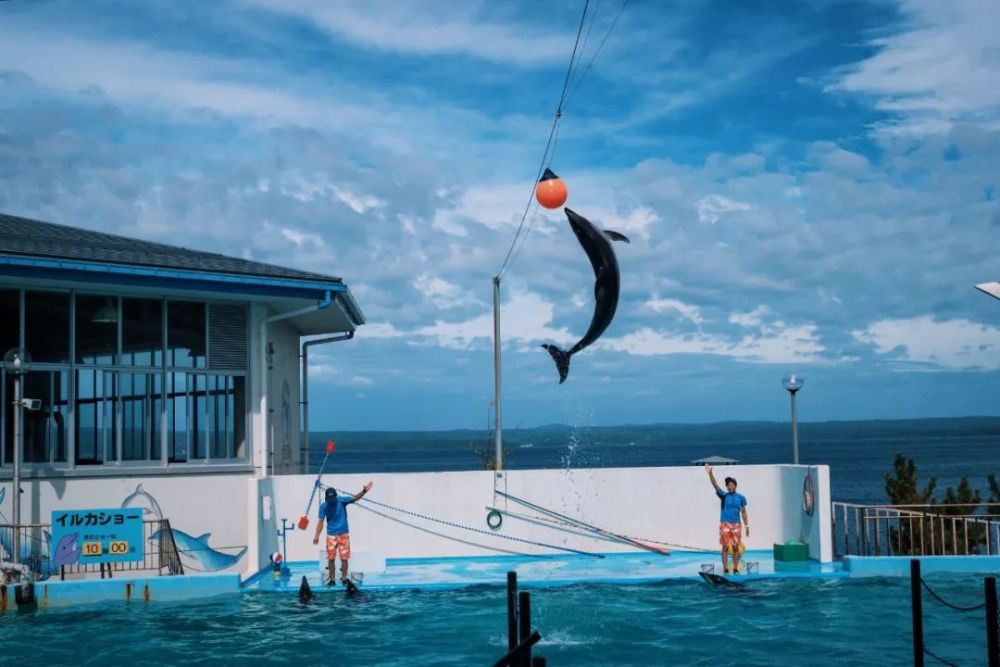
{"x": 160, "y": 555}
{"x": 916, "y": 530}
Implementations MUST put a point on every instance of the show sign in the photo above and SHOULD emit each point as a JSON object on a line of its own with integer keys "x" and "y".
{"x": 83, "y": 537}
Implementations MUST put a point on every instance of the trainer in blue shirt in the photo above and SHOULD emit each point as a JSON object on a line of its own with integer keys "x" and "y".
{"x": 734, "y": 507}
{"x": 333, "y": 511}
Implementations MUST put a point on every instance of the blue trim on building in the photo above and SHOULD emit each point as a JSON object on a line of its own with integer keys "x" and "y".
{"x": 121, "y": 274}
{"x": 53, "y": 594}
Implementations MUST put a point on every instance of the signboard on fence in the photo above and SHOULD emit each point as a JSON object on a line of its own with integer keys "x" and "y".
{"x": 82, "y": 537}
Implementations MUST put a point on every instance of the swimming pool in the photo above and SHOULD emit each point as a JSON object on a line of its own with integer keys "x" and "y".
{"x": 801, "y": 621}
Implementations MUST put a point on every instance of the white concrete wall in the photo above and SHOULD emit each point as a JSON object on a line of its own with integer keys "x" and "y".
{"x": 194, "y": 504}
{"x": 676, "y": 505}
{"x": 283, "y": 394}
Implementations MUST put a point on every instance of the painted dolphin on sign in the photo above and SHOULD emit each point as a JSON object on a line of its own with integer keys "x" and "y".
{"x": 197, "y": 548}
{"x": 597, "y": 245}
{"x": 67, "y": 551}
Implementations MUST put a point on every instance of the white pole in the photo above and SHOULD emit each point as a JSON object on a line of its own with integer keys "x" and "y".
{"x": 497, "y": 434}
{"x": 16, "y": 500}
{"x": 795, "y": 432}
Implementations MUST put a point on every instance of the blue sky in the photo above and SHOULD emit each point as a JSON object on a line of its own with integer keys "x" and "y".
{"x": 808, "y": 186}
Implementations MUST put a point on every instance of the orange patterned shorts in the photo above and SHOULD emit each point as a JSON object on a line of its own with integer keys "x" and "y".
{"x": 341, "y": 543}
{"x": 730, "y": 534}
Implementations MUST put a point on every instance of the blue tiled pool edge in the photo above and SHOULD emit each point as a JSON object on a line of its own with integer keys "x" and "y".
{"x": 899, "y": 566}
{"x": 53, "y": 594}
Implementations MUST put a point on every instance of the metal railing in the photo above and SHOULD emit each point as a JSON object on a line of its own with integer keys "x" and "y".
{"x": 916, "y": 530}
{"x": 160, "y": 554}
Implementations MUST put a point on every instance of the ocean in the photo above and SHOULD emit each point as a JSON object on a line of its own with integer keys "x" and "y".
{"x": 859, "y": 453}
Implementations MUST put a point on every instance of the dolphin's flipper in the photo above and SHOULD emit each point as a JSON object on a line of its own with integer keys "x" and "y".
{"x": 561, "y": 358}
{"x": 616, "y": 236}
{"x": 305, "y": 592}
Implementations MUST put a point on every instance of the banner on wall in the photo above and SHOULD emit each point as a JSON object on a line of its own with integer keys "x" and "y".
{"x": 82, "y": 537}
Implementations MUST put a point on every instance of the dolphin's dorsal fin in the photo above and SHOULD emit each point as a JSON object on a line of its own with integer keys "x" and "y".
{"x": 616, "y": 236}
{"x": 203, "y": 538}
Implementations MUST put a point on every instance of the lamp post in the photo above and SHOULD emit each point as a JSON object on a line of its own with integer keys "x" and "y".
{"x": 17, "y": 362}
{"x": 793, "y": 382}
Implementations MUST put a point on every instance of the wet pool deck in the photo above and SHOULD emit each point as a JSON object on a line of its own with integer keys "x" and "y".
{"x": 537, "y": 572}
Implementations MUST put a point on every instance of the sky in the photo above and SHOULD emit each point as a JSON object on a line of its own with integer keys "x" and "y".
{"x": 808, "y": 186}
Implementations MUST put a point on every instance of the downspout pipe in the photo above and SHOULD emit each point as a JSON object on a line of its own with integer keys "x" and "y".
{"x": 325, "y": 302}
{"x": 304, "y": 446}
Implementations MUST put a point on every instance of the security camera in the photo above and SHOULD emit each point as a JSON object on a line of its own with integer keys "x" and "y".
{"x": 31, "y": 403}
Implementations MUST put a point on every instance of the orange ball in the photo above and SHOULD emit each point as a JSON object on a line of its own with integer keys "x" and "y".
{"x": 551, "y": 191}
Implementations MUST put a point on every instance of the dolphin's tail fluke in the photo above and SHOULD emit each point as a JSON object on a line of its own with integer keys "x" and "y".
{"x": 561, "y": 357}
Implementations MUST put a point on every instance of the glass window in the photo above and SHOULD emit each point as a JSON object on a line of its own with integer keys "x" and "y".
{"x": 186, "y": 334}
{"x": 96, "y": 436}
{"x": 177, "y": 418}
{"x": 142, "y": 332}
{"x": 45, "y": 429}
{"x": 96, "y": 329}
{"x": 10, "y": 320}
{"x": 46, "y": 326}
{"x": 142, "y": 402}
{"x": 227, "y": 416}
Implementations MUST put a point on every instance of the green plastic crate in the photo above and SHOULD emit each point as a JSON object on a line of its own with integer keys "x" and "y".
{"x": 791, "y": 551}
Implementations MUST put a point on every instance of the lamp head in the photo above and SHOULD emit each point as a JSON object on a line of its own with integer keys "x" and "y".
{"x": 793, "y": 382}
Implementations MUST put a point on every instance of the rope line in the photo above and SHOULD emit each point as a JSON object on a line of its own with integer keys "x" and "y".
{"x": 562, "y": 525}
{"x": 448, "y": 537}
{"x": 938, "y": 658}
{"x": 576, "y": 84}
{"x": 478, "y": 530}
{"x": 582, "y": 524}
{"x": 550, "y": 144}
{"x": 948, "y": 604}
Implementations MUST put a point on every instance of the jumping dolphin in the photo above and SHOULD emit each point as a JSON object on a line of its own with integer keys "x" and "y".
{"x": 597, "y": 245}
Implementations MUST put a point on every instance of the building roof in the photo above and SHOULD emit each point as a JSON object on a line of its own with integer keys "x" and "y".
{"x": 32, "y": 249}
{"x": 34, "y": 238}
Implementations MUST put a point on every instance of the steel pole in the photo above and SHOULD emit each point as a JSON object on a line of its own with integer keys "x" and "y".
{"x": 795, "y": 432}
{"x": 16, "y": 500}
{"x": 497, "y": 435}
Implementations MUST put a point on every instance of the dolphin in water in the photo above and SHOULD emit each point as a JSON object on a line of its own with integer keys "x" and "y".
{"x": 597, "y": 245}
{"x": 198, "y": 549}
{"x": 305, "y": 592}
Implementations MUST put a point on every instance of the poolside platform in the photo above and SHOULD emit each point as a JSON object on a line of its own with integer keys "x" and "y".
{"x": 545, "y": 571}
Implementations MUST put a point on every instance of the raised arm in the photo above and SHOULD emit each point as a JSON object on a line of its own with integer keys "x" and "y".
{"x": 711, "y": 477}
{"x": 361, "y": 494}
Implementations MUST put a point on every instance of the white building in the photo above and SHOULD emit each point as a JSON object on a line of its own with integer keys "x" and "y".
{"x": 168, "y": 379}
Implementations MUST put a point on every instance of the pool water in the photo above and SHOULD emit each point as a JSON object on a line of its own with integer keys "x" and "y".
{"x": 799, "y": 621}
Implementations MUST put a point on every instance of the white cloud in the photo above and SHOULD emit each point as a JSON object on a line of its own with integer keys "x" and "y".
{"x": 300, "y": 238}
{"x": 942, "y": 68}
{"x": 790, "y": 345}
{"x": 949, "y": 344}
{"x": 525, "y": 318}
{"x": 713, "y": 207}
{"x": 687, "y": 311}
{"x": 427, "y": 29}
{"x": 360, "y": 204}
{"x": 751, "y": 319}
{"x": 440, "y": 292}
